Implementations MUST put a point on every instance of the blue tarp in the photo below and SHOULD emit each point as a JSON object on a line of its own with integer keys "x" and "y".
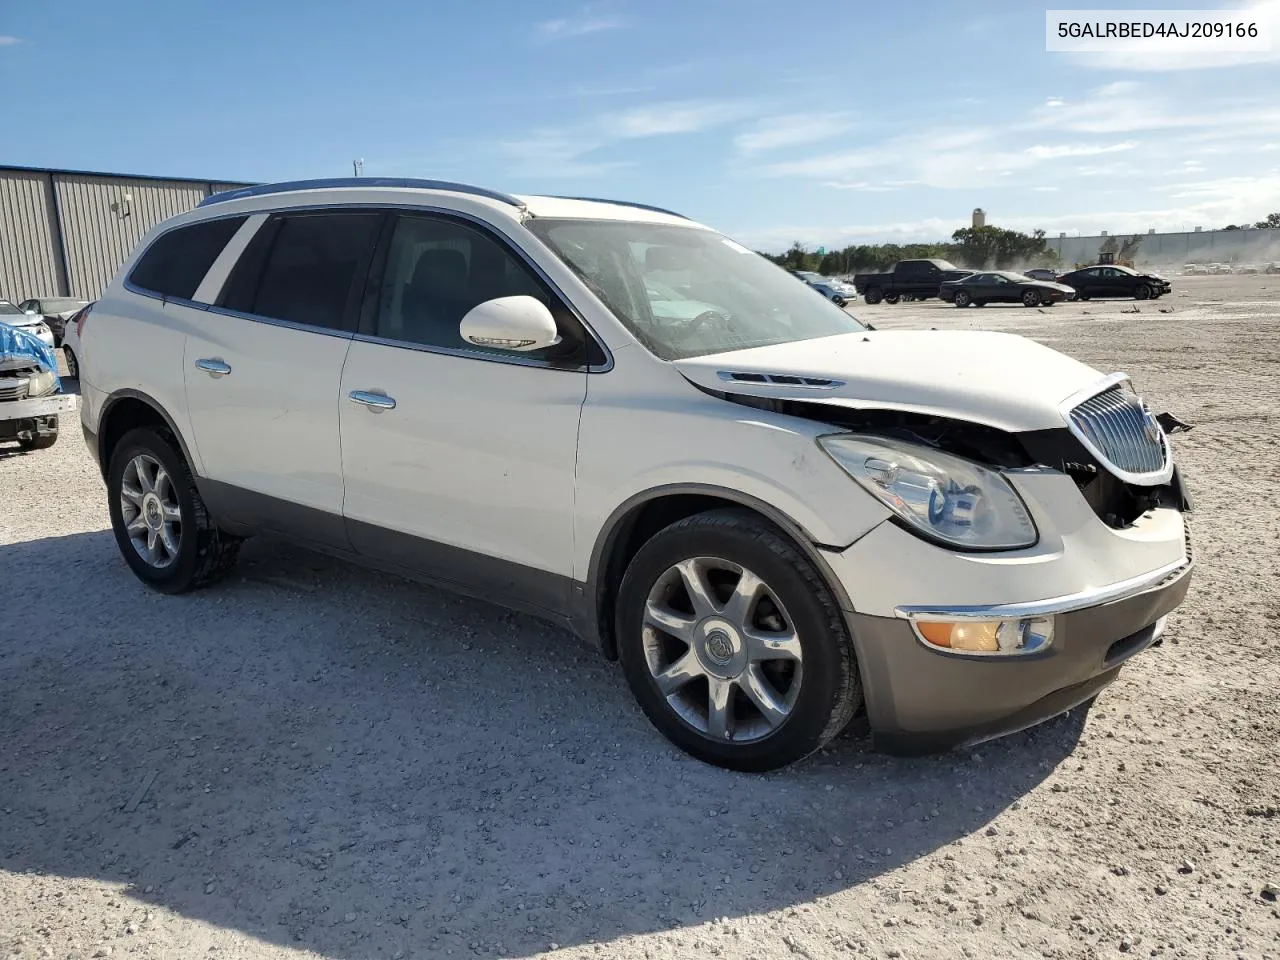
{"x": 16, "y": 342}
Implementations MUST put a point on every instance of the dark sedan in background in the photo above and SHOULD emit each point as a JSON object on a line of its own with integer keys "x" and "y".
{"x": 1002, "y": 287}
{"x": 54, "y": 311}
{"x": 1116, "y": 281}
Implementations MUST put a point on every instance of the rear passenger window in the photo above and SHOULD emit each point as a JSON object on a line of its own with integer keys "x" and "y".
{"x": 304, "y": 268}
{"x": 177, "y": 261}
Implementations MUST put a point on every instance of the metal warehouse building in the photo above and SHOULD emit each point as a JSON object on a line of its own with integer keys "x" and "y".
{"x": 66, "y": 232}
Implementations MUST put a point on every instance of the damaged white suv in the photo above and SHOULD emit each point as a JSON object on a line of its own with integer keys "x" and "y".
{"x": 604, "y": 414}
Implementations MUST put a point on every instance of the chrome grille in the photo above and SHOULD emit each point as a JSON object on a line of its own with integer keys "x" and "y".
{"x": 13, "y": 388}
{"x": 1119, "y": 430}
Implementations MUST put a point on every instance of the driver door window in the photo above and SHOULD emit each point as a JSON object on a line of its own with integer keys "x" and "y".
{"x": 437, "y": 269}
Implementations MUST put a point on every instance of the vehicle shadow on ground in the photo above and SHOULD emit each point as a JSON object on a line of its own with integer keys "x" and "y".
{"x": 328, "y": 758}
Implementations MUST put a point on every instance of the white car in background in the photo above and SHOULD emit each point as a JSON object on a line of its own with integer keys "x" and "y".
{"x": 837, "y": 291}
{"x": 71, "y": 342}
{"x": 612, "y": 417}
{"x": 30, "y": 323}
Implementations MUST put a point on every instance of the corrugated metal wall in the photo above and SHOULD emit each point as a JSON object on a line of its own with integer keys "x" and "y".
{"x": 101, "y": 227}
{"x": 66, "y": 233}
{"x": 28, "y": 255}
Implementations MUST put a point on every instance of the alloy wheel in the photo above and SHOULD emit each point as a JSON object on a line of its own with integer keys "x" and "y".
{"x": 150, "y": 510}
{"x": 722, "y": 650}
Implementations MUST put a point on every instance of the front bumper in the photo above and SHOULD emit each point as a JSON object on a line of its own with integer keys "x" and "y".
{"x": 920, "y": 700}
{"x": 50, "y": 406}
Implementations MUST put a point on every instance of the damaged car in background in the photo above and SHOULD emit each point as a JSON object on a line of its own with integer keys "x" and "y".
{"x": 31, "y": 398}
{"x": 776, "y": 518}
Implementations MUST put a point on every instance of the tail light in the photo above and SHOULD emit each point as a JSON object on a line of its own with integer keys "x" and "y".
{"x": 80, "y": 318}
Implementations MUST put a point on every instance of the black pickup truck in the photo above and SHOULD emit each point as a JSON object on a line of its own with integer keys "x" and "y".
{"x": 909, "y": 279}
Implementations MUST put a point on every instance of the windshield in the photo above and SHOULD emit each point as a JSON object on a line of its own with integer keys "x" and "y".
{"x": 61, "y": 305}
{"x": 689, "y": 292}
{"x": 8, "y": 309}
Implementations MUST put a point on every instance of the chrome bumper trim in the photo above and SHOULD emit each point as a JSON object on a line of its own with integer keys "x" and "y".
{"x": 1094, "y": 597}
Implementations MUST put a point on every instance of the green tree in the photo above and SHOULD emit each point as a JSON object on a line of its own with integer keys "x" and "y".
{"x": 1271, "y": 223}
{"x": 1231, "y": 226}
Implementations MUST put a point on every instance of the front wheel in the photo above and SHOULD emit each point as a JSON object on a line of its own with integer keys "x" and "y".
{"x": 1031, "y": 299}
{"x": 1143, "y": 292}
{"x": 962, "y": 298}
{"x": 161, "y": 524}
{"x": 732, "y": 644}
{"x": 73, "y": 365}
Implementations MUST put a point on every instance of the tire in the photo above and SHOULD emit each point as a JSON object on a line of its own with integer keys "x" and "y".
{"x": 73, "y": 365}
{"x": 873, "y": 295}
{"x": 203, "y": 553}
{"x": 1083, "y": 296}
{"x": 962, "y": 298}
{"x": 42, "y": 441}
{"x": 810, "y": 700}
{"x": 1031, "y": 299}
{"x": 892, "y": 298}
{"x": 1143, "y": 292}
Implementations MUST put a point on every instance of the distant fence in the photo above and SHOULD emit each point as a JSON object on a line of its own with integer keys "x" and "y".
{"x": 1208, "y": 246}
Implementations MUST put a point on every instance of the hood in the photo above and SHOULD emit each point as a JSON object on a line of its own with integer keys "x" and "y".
{"x": 17, "y": 344}
{"x": 21, "y": 319}
{"x": 998, "y": 379}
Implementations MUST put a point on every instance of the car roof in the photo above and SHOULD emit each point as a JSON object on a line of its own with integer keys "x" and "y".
{"x": 385, "y": 189}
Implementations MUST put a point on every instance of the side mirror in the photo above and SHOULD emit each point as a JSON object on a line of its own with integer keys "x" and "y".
{"x": 521, "y": 323}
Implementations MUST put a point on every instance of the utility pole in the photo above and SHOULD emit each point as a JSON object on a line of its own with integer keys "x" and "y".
{"x": 357, "y": 167}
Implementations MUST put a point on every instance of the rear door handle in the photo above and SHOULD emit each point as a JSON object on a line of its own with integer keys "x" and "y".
{"x": 213, "y": 367}
{"x": 374, "y": 401}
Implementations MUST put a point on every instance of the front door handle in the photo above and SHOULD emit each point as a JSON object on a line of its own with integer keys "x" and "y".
{"x": 376, "y": 402}
{"x": 214, "y": 367}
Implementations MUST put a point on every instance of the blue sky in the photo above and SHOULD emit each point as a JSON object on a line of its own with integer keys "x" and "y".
{"x": 828, "y": 122}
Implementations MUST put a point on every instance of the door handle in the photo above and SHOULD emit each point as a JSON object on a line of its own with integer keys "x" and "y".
{"x": 377, "y": 402}
{"x": 215, "y": 368}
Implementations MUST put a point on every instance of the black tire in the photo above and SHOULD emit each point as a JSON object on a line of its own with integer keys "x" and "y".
{"x": 73, "y": 365}
{"x": 1083, "y": 296}
{"x": 839, "y": 301}
{"x": 42, "y": 441}
{"x": 873, "y": 295}
{"x": 892, "y": 298}
{"x": 962, "y": 298}
{"x": 829, "y": 693}
{"x": 1143, "y": 292}
{"x": 1031, "y": 298}
{"x": 205, "y": 552}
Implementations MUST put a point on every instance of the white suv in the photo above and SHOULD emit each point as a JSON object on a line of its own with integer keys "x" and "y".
{"x": 610, "y": 416}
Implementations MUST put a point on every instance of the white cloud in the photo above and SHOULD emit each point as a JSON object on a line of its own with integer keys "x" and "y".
{"x": 1155, "y": 57}
{"x": 792, "y": 130}
{"x": 6, "y": 41}
{"x": 566, "y": 152}
{"x": 1054, "y": 102}
{"x": 864, "y": 186}
{"x": 1078, "y": 150}
{"x": 563, "y": 28}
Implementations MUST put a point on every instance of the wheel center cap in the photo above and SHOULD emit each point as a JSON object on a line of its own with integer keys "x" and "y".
{"x": 152, "y": 512}
{"x": 720, "y": 648}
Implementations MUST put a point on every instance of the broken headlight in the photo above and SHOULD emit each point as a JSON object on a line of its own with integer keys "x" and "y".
{"x": 41, "y": 384}
{"x": 942, "y": 497}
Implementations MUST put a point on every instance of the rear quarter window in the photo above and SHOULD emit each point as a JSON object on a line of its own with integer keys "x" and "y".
{"x": 177, "y": 260}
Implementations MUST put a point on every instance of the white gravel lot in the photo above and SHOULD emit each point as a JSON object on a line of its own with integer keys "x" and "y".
{"x": 345, "y": 765}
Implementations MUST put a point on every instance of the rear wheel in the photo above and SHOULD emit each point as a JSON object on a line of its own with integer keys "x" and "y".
{"x": 73, "y": 365}
{"x": 892, "y": 298}
{"x": 873, "y": 295}
{"x": 732, "y": 644}
{"x": 160, "y": 522}
{"x": 962, "y": 298}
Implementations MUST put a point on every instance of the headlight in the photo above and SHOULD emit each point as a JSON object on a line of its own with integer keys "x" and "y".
{"x": 40, "y": 384}
{"x": 944, "y": 498}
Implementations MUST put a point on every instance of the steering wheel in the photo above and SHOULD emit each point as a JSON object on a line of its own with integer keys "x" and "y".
{"x": 682, "y": 330}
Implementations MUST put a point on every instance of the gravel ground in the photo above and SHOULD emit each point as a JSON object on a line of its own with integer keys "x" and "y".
{"x": 312, "y": 760}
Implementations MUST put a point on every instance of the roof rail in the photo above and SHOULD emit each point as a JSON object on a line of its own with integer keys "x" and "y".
{"x": 265, "y": 189}
{"x": 625, "y": 203}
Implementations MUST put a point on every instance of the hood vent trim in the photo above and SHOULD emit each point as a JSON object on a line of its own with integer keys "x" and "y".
{"x": 779, "y": 379}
